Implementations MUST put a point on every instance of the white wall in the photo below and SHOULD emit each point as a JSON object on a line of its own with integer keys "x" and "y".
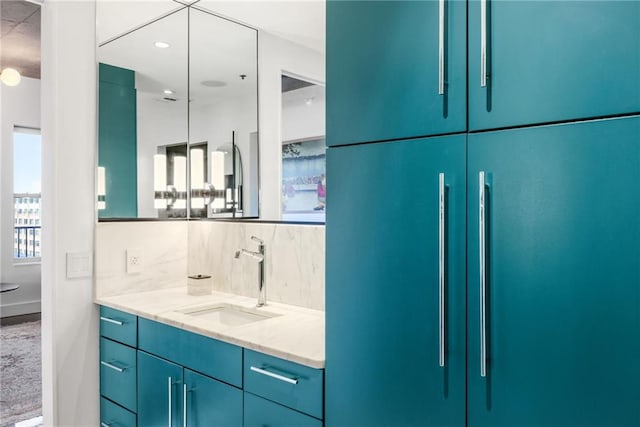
{"x": 299, "y": 119}
{"x": 275, "y": 56}
{"x": 20, "y": 107}
{"x": 69, "y": 317}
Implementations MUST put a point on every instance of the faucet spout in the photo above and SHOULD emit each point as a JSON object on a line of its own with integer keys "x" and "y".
{"x": 258, "y": 256}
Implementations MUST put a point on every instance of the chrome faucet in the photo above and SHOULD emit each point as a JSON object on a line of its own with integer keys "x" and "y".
{"x": 258, "y": 256}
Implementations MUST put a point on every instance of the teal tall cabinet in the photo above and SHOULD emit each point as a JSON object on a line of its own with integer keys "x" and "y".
{"x": 561, "y": 244}
{"x": 552, "y": 61}
{"x": 405, "y": 62}
{"x": 117, "y": 134}
{"x": 540, "y": 267}
{"x": 383, "y": 310}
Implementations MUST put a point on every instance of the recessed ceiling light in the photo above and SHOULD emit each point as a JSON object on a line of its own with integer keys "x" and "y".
{"x": 161, "y": 45}
{"x": 168, "y": 92}
{"x": 308, "y": 101}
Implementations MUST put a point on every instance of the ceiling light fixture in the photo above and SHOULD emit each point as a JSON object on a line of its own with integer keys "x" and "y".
{"x": 308, "y": 101}
{"x": 168, "y": 92}
{"x": 10, "y": 77}
{"x": 161, "y": 45}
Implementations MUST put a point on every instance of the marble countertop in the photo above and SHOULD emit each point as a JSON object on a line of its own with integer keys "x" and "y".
{"x": 295, "y": 334}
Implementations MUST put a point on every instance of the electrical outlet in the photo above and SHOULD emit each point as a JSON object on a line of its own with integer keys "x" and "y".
{"x": 135, "y": 261}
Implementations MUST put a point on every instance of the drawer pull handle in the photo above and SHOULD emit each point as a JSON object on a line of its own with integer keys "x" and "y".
{"x": 105, "y": 424}
{"x": 110, "y": 366}
{"x": 110, "y": 320}
{"x": 276, "y": 376}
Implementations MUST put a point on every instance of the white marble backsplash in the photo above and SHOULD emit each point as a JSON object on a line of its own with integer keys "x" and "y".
{"x": 163, "y": 246}
{"x": 294, "y": 266}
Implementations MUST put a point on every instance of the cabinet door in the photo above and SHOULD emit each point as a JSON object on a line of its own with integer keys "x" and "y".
{"x": 562, "y": 284}
{"x": 383, "y": 69}
{"x": 550, "y": 61}
{"x": 382, "y": 284}
{"x": 159, "y": 391}
{"x": 210, "y": 402}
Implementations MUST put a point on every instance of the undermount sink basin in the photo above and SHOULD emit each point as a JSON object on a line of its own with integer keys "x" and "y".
{"x": 228, "y": 314}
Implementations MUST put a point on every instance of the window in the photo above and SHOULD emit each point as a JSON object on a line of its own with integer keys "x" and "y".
{"x": 27, "y": 145}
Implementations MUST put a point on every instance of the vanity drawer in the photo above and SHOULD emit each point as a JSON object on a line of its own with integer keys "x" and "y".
{"x": 112, "y": 415}
{"x": 119, "y": 326}
{"x": 290, "y": 384}
{"x": 206, "y": 355}
{"x": 118, "y": 373}
{"x": 259, "y": 412}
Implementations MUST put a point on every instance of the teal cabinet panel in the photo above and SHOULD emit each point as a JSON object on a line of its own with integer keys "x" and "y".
{"x": 159, "y": 391}
{"x": 118, "y": 373}
{"x": 119, "y": 326}
{"x": 382, "y": 284}
{"x": 202, "y": 354}
{"x": 291, "y": 384}
{"x": 259, "y": 412}
{"x": 562, "y": 217}
{"x": 117, "y": 141}
{"x": 550, "y": 61}
{"x": 113, "y": 415}
{"x": 210, "y": 402}
{"x": 383, "y": 70}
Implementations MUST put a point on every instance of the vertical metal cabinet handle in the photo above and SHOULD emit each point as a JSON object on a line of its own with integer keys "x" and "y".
{"x": 110, "y": 320}
{"x": 441, "y": 267}
{"x": 110, "y": 366}
{"x": 184, "y": 405}
{"x": 483, "y": 43}
{"x": 483, "y": 274}
{"x": 273, "y": 375}
{"x": 170, "y": 398}
{"x": 441, "y": 63}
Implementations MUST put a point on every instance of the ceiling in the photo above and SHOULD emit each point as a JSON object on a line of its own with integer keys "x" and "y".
{"x": 20, "y": 37}
{"x": 299, "y": 21}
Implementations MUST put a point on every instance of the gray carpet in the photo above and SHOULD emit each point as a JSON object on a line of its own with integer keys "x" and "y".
{"x": 20, "y": 373}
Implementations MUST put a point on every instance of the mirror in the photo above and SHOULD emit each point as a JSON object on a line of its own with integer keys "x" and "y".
{"x": 223, "y": 117}
{"x": 194, "y": 151}
{"x": 142, "y": 120}
{"x": 188, "y": 79}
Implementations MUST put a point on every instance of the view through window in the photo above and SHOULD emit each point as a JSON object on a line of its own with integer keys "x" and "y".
{"x": 27, "y": 145}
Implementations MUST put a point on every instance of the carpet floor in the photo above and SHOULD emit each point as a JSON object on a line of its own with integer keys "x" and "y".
{"x": 20, "y": 373}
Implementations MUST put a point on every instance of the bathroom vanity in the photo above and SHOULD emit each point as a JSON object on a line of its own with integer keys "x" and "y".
{"x": 168, "y": 358}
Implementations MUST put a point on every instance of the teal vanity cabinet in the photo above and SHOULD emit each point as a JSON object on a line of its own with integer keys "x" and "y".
{"x": 550, "y": 61}
{"x": 561, "y": 236}
{"x": 395, "y": 296}
{"x": 397, "y": 69}
{"x": 118, "y": 368}
{"x": 187, "y": 379}
{"x": 281, "y": 393}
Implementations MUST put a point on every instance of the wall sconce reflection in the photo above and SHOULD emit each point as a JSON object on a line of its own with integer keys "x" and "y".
{"x": 204, "y": 193}
{"x": 169, "y": 196}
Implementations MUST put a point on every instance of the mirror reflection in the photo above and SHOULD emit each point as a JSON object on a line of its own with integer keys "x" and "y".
{"x": 223, "y": 117}
{"x": 142, "y": 121}
{"x": 303, "y": 150}
{"x": 178, "y": 120}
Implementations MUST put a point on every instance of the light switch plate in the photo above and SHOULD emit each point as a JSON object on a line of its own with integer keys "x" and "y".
{"x": 135, "y": 261}
{"x": 79, "y": 265}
